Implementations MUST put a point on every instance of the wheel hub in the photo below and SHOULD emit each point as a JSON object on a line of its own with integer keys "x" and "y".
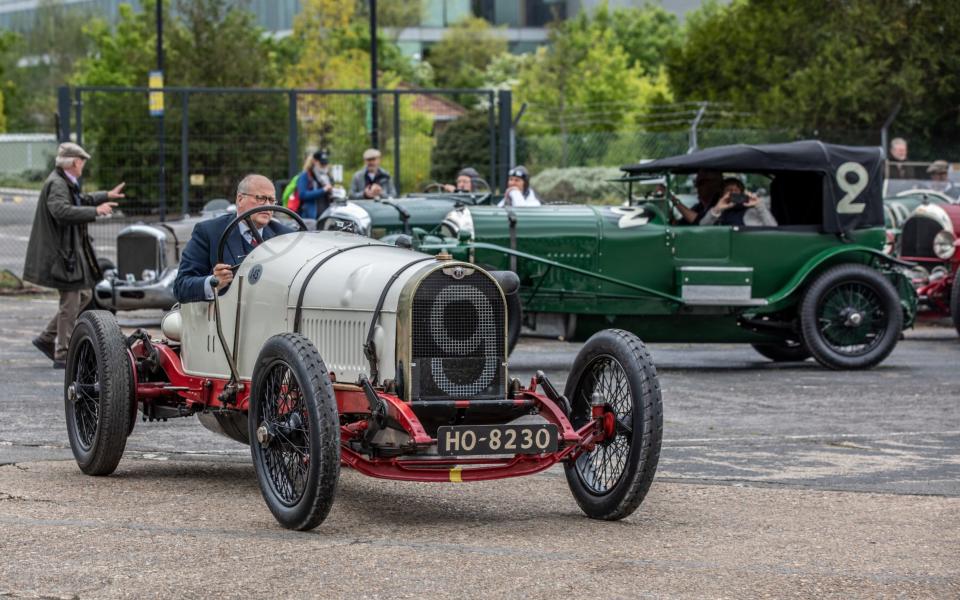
{"x": 264, "y": 435}
{"x": 852, "y": 318}
{"x": 72, "y": 392}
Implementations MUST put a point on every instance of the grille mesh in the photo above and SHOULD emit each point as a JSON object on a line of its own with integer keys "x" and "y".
{"x": 916, "y": 239}
{"x": 136, "y": 252}
{"x": 458, "y": 338}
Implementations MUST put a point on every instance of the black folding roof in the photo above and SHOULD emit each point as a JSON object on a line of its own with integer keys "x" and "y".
{"x": 807, "y": 155}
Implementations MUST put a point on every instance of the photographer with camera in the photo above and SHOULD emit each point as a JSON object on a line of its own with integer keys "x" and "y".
{"x": 738, "y": 207}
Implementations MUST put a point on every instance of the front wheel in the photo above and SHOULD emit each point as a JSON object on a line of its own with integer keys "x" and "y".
{"x": 850, "y": 317}
{"x": 97, "y": 393}
{"x": 294, "y": 431}
{"x": 611, "y": 481}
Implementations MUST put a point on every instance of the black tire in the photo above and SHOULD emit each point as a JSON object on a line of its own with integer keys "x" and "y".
{"x": 850, "y": 317}
{"x": 97, "y": 393}
{"x": 514, "y": 321}
{"x": 786, "y": 351}
{"x": 294, "y": 431}
{"x": 616, "y": 364}
{"x": 955, "y": 300}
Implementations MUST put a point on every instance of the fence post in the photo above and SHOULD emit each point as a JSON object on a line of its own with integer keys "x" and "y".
{"x": 293, "y": 155}
{"x": 396, "y": 142}
{"x": 63, "y": 111}
{"x": 692, "y": 146}
{"x": 492, "y": 126}
{"x": 78, "y": 105}
{"x": 184, "y": 155}
{"x": 505, "y": 110}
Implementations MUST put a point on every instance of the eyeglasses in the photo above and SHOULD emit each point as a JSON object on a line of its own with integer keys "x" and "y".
{"x": 261, "y": 200}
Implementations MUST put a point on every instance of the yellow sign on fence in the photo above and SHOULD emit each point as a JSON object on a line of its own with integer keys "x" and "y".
{"x": 156, "y": 98}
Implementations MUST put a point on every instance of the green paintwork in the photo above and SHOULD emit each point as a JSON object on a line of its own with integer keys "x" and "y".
{"x": 602, "y": 265}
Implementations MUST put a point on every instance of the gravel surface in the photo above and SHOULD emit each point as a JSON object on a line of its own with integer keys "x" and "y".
{"x": 775, "y": 480}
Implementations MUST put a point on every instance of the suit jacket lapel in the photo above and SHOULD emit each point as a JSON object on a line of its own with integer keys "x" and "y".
{"x": 235, "y": 247}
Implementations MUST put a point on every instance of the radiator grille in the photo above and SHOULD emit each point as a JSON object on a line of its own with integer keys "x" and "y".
{"x": 137, "y": 252}
{"x": 341, "y": 341}
{"x": 458, "y": 338}
{"x": 916, "y": 238}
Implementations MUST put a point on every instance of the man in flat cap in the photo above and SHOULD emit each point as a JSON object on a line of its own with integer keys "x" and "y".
{"x": 371, "y": 181}
{"x": 939, "y": 172}
{"x": 60, "y": 253}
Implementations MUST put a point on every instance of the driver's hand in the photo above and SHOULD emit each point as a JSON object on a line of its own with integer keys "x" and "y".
{"x": 449, "y": 188}
{"x": 327, "y": 188}
{"x": 223, "y": 273}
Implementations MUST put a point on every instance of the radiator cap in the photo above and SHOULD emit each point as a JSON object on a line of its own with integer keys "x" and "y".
{"x": 444, "y": 255}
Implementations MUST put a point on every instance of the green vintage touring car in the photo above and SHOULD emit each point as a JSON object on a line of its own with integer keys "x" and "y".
{"x": 816, "y": 284}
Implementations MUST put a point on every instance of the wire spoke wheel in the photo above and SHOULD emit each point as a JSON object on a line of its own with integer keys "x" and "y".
{"x": 294, "y": 431}
{"x": 284, "y": 414}
{"x": 610, "y": 479}
{"x": 602, "y": 468}
{"x": 850, "y": 317}
{"x": 86, "y": 406}
{"x": 98, "y": 392}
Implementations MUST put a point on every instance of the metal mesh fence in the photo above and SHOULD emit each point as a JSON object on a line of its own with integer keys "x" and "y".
{"x": 209, "y": 139}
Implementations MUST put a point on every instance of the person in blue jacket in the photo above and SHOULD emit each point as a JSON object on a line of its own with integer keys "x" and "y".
{"x": 198, "y": 263}
{"x": 314, "y": 186}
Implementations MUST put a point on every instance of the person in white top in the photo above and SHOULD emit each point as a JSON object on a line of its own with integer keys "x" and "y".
{"x": 518, "y": 191}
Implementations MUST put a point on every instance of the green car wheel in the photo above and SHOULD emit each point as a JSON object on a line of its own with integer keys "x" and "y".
{"x": 850, "y": 317}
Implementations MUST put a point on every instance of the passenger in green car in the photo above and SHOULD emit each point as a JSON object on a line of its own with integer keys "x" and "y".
{"x": 709, "y": 186}
{"x": 738, "y": 207}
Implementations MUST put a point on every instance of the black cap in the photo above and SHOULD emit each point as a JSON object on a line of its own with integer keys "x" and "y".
{"x": 322, "y": 157}
{"x": 469, "y": 172}
{"x": 519, "y": 171}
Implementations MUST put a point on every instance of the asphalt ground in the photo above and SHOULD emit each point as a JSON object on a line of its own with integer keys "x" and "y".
{"x": 774, "y": 481}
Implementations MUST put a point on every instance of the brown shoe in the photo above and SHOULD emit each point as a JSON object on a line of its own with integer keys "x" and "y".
{"x": 45, "y": 347}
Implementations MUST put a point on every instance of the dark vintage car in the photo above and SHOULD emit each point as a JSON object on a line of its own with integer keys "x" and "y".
{"x": 928, "y": 238}
{"x": 816, "y": 284}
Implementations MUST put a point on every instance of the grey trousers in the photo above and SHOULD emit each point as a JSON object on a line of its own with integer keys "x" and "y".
{"x": 60, "y": 327}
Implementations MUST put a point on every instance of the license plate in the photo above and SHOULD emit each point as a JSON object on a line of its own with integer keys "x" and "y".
{"x": 468, "y": 440}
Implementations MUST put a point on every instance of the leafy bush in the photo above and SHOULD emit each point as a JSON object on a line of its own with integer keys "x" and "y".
{"x": 589, "y": 185}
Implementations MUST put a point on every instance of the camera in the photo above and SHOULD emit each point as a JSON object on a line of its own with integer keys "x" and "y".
{"x": 738, "y": 199}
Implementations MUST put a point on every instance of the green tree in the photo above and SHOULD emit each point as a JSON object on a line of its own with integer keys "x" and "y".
{"x": 826, "y": 67}
{"x": 461, "y": 57}
{"x": 44, "y": 57}
{"x": 463, "y": 143}
{"x": 229, "y": 134}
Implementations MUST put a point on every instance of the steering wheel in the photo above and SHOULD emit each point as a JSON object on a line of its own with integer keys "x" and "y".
{"x": 245, "y": 217}
{"x": 433, "y": 188}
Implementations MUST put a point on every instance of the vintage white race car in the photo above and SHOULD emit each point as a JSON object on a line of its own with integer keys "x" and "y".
{"x": 330, "y": 348}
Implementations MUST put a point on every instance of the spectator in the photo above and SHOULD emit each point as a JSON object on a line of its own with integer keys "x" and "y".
{"x": 709, "y": 186}
{"x": 314, "y": 186}
{"x": 60, "y": 253}
{"x": 518, "y": 192}
{"x": 466, "y": 181}
{"x": 898, "y": 156}
{"x": 738, "y": 207}
{"x": 898, "y": 149}
{"x": 198, "y": 263}
{"x": 939, "y": 171}
{"x": 371, "y": 181}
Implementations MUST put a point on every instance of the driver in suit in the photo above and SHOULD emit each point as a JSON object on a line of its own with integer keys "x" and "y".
{"x": 198, "y": 263}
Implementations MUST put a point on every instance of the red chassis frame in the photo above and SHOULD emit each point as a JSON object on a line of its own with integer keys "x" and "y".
{"x": 935, "y": 294}
{"x": 202, "y": 393}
